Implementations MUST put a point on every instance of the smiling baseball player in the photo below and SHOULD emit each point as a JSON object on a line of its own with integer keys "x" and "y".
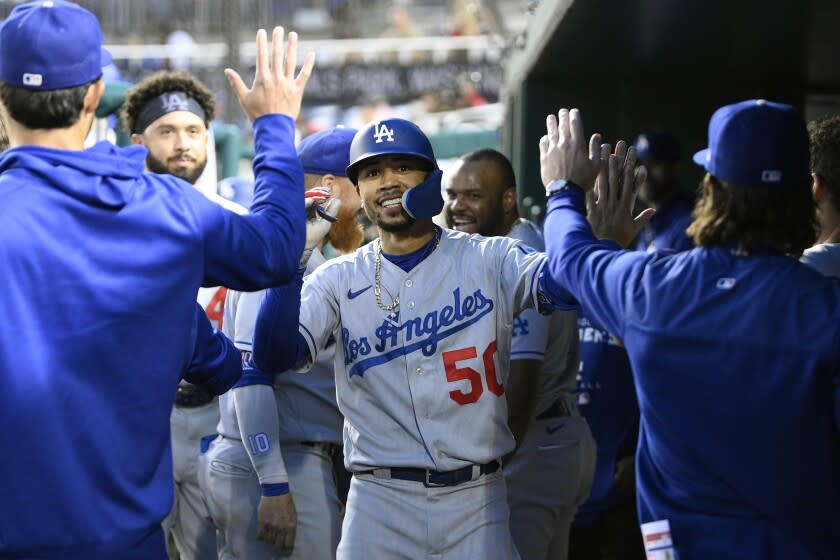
{"x": 423, "y": 317}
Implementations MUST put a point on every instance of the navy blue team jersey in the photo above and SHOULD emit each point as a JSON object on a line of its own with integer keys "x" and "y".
{"x": 736, "y": 364}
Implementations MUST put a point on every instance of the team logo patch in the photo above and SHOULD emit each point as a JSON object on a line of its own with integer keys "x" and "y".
{"x": 34, "y": 80}
{"x": 175, "y": 102}
{"x": 381, "y": 131}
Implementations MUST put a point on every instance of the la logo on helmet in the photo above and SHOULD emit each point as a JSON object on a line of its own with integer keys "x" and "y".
{"x": 175, "y": 102}
{"x": 380, "y": 131}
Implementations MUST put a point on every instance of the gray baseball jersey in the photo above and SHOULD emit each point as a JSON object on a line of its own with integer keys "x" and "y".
{"x": 533, "y": 331}
{"x": 423, "y": 386}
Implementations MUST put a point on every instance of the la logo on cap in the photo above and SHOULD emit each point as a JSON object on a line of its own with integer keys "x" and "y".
{"x": 381, "y": 131}
{"x": 33, "y": 79}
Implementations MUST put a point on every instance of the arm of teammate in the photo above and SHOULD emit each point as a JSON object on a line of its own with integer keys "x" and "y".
{"x": 527, "y": 351}
{"x": 596, "y": 273}
{"x": 296, "y": 319}
{"x": 262, "y": 248}
{"x": 216, "y": 364}
{"x": 259, "y": 426}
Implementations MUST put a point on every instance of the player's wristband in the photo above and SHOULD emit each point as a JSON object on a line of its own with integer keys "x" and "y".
{"x": 275, "y": 489}
{"x": 559, "y": 186}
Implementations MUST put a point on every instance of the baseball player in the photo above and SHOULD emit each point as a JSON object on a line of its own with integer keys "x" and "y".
{"x": 102, "y": 263}
{"x": 721, "y": 349}
{"x": 660, "y": 152}
{"x": 549, "y": 474}
{"x": 824, "y": 136}
{"x": 169, "y": 113}
{"x": 423, "y": 320}
{"x": 256, "y": 488}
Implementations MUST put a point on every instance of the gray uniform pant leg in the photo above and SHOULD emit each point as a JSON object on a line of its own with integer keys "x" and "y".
{"x": 548, "y": 478}
{"x": 234, "y": 493}
{"x": 189, "y": 521}
{"x": 398, "y": 519}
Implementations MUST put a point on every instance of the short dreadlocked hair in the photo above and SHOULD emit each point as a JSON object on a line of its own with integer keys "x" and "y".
{"x": 160, "y": 83}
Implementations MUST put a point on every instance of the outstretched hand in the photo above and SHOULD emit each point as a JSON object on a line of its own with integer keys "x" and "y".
{"x": 275, "y": 88}
{"x": 564, "y": 153}
{"x": 609, "y": 206}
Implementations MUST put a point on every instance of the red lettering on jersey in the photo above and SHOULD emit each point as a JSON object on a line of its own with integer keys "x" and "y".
{"x": 455, "y": 373}
{"x": 215, "y": 309}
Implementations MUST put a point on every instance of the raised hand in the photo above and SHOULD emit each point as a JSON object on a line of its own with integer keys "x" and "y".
{"x": 609, "y": 206}
{"x": 563, "y": 151}
{"x": 275, "y": 88}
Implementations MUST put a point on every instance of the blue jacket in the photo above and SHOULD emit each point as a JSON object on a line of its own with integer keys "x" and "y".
{"x": 666, "y": 230}
{"x": 736, "y": 365}
{"x": 101, "y": 264}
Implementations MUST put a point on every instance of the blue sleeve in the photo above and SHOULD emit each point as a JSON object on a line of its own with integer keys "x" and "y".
{"x": 216, "y": 363}
{"x": 596, "y": 273}
{"x": 278, "y": 344}
{"x": 262, "y": 248}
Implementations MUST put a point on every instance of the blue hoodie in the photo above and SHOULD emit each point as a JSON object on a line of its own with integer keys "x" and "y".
{"x": 101, "y": 264}
{"x": 736, "y": 362}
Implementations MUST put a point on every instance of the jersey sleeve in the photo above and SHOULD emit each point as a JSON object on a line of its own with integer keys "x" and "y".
{"x": 262, "y": 248}
{"x": 244, "y": 307}
{"x": 520, "y": 269}
{"x": 319, "y": 314}
{"x": 259, "y": 427}
{"x": 597, "y": 274}
{"x": 216, "y": 364}
{"x": 529, "y": 336}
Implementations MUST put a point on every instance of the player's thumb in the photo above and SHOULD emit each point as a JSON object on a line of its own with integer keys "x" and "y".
{"x": 643, "y": 218}
{"x": 236, "y": 83}
{"x": 329, "y": 211}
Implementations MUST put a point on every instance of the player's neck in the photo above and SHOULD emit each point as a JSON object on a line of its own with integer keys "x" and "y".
{"x": 409, "y": 240}
{"x": 70, "y": 138}
{"x": 829, "y": 223}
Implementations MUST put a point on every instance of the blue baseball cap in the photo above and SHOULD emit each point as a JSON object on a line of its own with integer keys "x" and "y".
{"x": 757, "y": 143}
{"x": 51, "y": 44}
{"x": 327, "y": 151}
{"x": 659, "y": 145}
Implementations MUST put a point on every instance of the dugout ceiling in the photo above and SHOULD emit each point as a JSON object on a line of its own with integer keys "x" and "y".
{"x": 636, "y": 64}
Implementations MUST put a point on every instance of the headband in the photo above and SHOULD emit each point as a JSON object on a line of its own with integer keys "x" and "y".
{"x": 166, "y": 103}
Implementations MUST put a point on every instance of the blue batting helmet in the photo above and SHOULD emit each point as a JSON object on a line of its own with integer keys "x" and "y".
{"x": 400, "y": 137}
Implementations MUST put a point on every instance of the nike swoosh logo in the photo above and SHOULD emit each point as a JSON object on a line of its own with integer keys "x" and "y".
{"x": 552, "y": 429}
{"x": 353, "y": 295}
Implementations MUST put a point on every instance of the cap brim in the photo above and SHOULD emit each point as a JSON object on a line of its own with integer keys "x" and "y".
{"x": 105, "y": 57}
{"x": 700, "y": 157}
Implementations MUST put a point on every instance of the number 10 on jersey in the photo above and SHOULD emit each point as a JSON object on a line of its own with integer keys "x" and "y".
{"x": 455, "y": 373}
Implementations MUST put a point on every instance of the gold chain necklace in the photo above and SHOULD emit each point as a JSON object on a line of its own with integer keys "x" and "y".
{"x": 377, "y": 285}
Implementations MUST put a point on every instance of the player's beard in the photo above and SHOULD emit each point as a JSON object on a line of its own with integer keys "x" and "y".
{"x": 189, "y": 175}
{"x": 346, "y": 234}
{"x": 390, "y": 227}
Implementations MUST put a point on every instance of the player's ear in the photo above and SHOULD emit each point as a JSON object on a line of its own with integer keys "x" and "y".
{"x": 327, "y": 180}
{"x": 509, "y": 200}
{"x": 137, "y": 139}
{"x": 817, "y": 188}
{"x": 93, "y": 95}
